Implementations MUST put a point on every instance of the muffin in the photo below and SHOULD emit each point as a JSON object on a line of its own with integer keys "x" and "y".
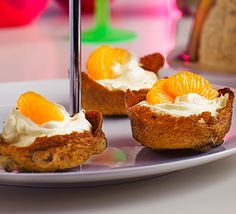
{"x": 110, "y": 72}
{"x": 181, "y": 112}
{"x": 40, "y": 136}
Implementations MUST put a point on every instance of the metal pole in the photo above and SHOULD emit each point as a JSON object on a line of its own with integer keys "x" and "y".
{"x": 75, "y": 56}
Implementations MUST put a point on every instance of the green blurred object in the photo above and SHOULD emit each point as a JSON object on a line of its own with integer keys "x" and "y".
{"x": 119, "y": 156}
{"x": 103, "y": 31}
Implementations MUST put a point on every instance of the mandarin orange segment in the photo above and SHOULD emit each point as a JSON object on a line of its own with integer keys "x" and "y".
{"x": 120, "y": 55}
{"x": 187, "y": 82}
{"x": 38, "y": 109}
{"x": 158, "y": 93}
{"x": 166, "y": 90}
{"x": 101, "y": 60}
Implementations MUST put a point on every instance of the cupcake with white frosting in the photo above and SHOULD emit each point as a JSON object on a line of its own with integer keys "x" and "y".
{"x": 181, "y": 112}
{"x": 110, "y": 72}
{"x": 39, "y": 135}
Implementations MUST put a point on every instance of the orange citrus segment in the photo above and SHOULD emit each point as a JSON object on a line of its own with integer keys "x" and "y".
{"x": 120, "y": 55}
{"x": 101, "y": 60}
{"x": 187, "y": 82}
{"x": 158, "y": 93}
{"x": 38, "y": 109}
{"x": 166, "y": 90}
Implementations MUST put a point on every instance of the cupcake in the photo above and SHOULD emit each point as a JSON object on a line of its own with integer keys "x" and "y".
{"x": 110, "y": 72}
{"x": 180, "y": 112}
{"x": 40, "y": 136}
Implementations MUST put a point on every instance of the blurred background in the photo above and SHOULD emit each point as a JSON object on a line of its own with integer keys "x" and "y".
{"x": 34, "y": 35}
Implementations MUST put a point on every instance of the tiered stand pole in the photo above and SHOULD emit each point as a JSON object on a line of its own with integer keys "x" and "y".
{"x": 75, "y": 56}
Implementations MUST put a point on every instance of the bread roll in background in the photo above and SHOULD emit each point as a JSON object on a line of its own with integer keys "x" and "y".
{"x": 218, "y": 37}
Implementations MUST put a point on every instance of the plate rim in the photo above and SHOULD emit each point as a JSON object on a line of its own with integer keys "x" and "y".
{"x": 226, "y": 153}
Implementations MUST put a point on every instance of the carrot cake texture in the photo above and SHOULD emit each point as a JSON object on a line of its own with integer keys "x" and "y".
{"x": 110, "y": 72}
{"x": 40, "y": 136}
{"x": 183, "y": 111}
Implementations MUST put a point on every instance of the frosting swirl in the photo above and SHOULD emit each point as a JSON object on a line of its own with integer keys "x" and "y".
{"x": 189, "y": 104}
{"x": 129, "y": 76}
{"x": 21, "y": 131}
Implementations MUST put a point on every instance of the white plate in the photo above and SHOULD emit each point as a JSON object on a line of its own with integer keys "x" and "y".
{"x": 124, "y": 159}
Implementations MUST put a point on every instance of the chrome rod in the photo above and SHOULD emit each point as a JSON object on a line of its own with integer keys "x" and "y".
{"x": 75, "y": 56}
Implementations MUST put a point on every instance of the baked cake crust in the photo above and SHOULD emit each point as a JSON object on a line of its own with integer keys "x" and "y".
{"x": 152, "y": 62}
{"x": 58, "y": 152}
{"x": 98, "y": 98}
{"x": 109, "y": 103}
{"x": 163, "y": 131}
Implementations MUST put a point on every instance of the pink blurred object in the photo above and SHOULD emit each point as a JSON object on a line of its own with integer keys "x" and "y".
{"x": 19, "y": 12}
{"x": 87, "y": 6}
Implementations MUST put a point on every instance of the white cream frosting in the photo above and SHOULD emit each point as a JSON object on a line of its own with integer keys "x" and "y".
{"x": 189, "y": 104}
{"x": 22, "y": 131}
{"x": 129, "y": 76}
